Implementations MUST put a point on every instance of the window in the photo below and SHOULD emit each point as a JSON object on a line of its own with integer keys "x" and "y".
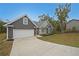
{"x": 25, "y": 21}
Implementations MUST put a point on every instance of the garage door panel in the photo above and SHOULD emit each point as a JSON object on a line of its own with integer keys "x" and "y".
{"x": 20, "y": 33}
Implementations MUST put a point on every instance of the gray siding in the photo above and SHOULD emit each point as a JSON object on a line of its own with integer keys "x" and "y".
{"x": 72, "y": 24}
{"x": 46, "y": 30}
{"x": 45, "y": 27}
{"x": 10, "y": 32}
{"x": 19, "y": 24}
{"x": 36, "y": 31}
{"x": 42, "y": 31}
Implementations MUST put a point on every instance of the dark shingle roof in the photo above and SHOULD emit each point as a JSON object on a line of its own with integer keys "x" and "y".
{"x": 73, "y": 20}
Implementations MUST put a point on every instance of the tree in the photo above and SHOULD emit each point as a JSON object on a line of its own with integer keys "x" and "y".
{"x": 62, "y": 14}
{"x": 44, "y": 17}
{"x": 55, "y": 24}
{"x": 2, "y": 28}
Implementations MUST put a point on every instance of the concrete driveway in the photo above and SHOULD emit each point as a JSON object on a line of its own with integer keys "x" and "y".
{"x": 35, "y": 47}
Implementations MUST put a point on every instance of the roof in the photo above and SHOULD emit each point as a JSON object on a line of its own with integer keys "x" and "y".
{"x": 72, "y": 20}
{"x": 37, "y": 23}
{"x": 19, "y": 18}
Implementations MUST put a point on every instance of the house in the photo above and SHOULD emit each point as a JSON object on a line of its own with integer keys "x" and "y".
{"x": 21, "y": 27}
{"x": 45, "y": 27}
{"x": 73, "y": 24}
{"x": 24, "y": 27}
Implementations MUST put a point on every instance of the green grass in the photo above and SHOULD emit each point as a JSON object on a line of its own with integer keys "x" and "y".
{"x": 70, "y": 39}
{"x": 5, "y": 46}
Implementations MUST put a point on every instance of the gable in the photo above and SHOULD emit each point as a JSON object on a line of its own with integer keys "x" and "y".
{"x": 18, "y": 24}
{"x": 45, "y": 24}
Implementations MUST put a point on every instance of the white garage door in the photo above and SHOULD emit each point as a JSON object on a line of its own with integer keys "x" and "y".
{"x": 20, "y": 33}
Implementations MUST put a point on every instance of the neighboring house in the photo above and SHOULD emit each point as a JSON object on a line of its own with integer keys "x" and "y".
{"x": 73, "y": 24}
{"x": 24, "y": 27}
{"x": 45, "y": 27}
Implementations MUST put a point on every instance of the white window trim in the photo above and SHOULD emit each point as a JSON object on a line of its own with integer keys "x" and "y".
{"x": 25, "y": 21}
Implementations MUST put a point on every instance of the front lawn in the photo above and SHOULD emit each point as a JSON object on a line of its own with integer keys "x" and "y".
{"x": 5, "y": 46}
{"x": 70, "y": 39}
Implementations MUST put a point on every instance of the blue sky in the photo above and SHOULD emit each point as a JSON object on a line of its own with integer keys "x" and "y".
{"x": 33, "y": 10}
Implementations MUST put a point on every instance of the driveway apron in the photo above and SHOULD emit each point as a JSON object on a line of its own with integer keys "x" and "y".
{"x": 31, "y": 46}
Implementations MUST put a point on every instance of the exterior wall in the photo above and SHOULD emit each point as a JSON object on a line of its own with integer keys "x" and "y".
{"x": 45, "y": 27}
{"x": 19, "y": 24}
{"x": 43, "y": 31}
{"x": 46, "y": 30}
{"x": 43, "y": 24}
{"x": 72, "y": 24}
{"x": 36, "y": 31}
{"x": 10, "y": 33}
{"x": 50, "y": 29}
{"x": 40, "y": 32}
